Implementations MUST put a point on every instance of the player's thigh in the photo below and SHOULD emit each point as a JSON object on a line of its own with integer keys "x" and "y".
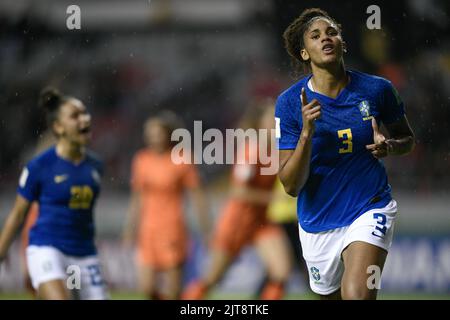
{"x": 92, "y": 283}
{"x": 230, "y": 239}
{"x": 360, "y": 259}
{"x": 164, "y": 250}
{"x": 47, "y": 269}
{"x": 227, "y": 243}
{"x": 220, "y": 261}
{"x": 53, "y": 290}
{"x": 366, "y": 244}
{"x": 273, "y": 248}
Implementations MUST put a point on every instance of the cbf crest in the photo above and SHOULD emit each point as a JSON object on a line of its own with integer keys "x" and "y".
{"x": 364, "y": 108}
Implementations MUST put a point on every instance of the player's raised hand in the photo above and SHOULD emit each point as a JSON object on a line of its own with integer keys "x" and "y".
{"x": 310, "y": 113}
{"x": 379, "y": 148}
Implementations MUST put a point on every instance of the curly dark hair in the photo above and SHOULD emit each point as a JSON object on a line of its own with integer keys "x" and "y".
{"x": 293, "y": 37}
{"x": 50, "y": 100}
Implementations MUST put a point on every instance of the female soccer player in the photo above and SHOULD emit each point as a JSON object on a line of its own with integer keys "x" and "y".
{"x": 65, "y": 182}
{"x": 330, "y": 147}
{"x": 243, "y": 221}
{"x": 156, "y": 208}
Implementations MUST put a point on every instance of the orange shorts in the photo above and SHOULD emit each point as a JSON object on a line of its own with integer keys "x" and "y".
{"x": 162, "y": 251}
{"x": 240, "y": 226}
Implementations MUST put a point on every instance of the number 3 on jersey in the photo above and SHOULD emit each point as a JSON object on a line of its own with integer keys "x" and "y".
{"x": 81, "y": 197}
{"x": 346, "y": 134}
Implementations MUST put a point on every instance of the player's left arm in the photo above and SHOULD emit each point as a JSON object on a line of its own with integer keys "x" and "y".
{"x": 12, "y": 224}
{"x": 400, "y": 139}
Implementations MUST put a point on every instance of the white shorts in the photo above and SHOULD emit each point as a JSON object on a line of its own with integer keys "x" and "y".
{"x": 81, "y": 275}
{"x": 322, "y": 251}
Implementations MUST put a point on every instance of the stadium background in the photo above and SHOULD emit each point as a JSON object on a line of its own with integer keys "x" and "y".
{"x": 206, "y": 60}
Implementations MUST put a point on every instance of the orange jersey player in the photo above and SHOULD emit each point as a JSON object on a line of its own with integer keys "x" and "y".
{"x": 244, "y": 221}
{"x": 158, "y": 187}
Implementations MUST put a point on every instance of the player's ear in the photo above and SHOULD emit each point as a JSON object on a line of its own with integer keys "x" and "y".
{"x": 58, "y": 128}
{"x": 344, "y": 46}
{"x": 304, "y": 54}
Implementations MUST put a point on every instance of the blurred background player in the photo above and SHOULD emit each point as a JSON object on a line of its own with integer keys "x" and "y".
{"x": 282, "y": 211}
{"x": 65, "y": 181}
{"x": 330, "y": 147}
{"x": 244, "y": 221}
{"x": 157, "y": 212}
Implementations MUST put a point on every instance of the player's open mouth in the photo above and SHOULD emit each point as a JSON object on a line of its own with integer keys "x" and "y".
{"x": 328, "y": 48}
{"x": 85, "y": 130}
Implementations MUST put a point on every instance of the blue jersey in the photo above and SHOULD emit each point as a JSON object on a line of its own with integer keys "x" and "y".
{"x": 345, "y": 179}
{"x": 66, "y": 193}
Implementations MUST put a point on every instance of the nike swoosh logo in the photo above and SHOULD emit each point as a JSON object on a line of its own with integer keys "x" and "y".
{"x": 61, "y": 178}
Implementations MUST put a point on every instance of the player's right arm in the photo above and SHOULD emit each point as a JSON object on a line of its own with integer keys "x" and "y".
{"x": 294, "y": 163}
{"x": 27, "y": 192}
{"x": 12, "y": 224}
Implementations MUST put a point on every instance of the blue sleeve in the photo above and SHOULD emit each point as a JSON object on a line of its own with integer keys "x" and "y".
{"x": 29, "y": 182}
{"x": 392, "y": 108}
{"x": 288, "y": 123}
{"x": 101, "y": 168}
{"x": 96, "y": 162}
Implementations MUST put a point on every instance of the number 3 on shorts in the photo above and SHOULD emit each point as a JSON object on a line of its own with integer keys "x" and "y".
{"x": 381, "y": 225}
